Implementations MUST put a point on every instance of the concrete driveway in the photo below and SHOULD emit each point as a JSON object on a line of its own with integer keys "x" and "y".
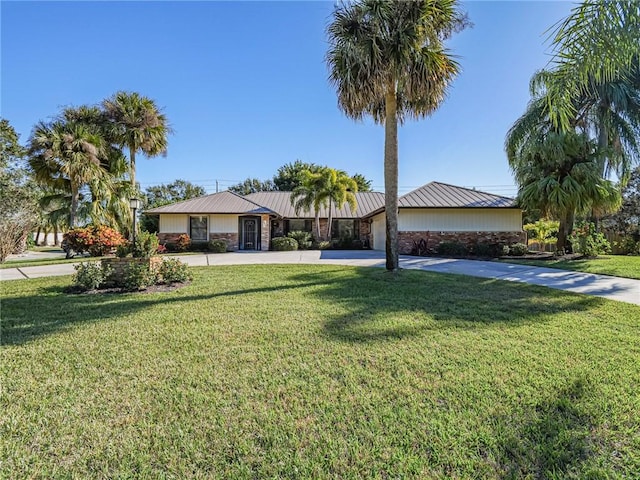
{"x": 614, "y": 288}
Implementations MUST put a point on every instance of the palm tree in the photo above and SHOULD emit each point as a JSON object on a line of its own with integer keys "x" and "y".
{"x": 138, "y": 125}
{"x": 311, "y": 194}
{"x": 340, "y": 189}
{"x": 387, "y": 60}
{"x": 558, "y": 173}
{"x": 599, "y": 42}
{"x": 67, "y": 156}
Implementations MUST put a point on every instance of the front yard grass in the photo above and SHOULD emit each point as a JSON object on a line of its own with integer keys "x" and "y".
{"x": 318, "y": 372}
{"x": 627, "y": 266}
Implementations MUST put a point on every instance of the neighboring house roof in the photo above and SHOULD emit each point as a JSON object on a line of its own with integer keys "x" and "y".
{"x": 280, "y": 202}
{"x": 222, "y": 202}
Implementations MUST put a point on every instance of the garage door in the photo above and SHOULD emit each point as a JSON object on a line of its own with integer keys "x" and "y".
{"x": 378, "y": 229}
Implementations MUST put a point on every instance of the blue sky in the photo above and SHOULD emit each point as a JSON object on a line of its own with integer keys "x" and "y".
{"x": 244, "y": 86}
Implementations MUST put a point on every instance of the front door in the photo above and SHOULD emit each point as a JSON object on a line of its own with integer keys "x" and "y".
{"x": 249, "y": 234}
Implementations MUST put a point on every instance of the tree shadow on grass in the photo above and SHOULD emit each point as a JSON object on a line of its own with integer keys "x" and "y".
{"x": 376, "y": 305}
{"x": 52, "y": 309}
{"x": 550, "y": 440}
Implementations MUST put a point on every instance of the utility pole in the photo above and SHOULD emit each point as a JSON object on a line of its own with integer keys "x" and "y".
{"x": 216, "y": 186}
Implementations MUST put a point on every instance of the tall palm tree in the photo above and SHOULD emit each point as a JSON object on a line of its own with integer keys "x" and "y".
{"x": 138, "y": 125}
{"x": 340, "y": 188}
{"x": 67, "y": 156}
{"x": 599, "y": 42}
{"x": 311, "y": 194}
{"x": 387, "y": 60}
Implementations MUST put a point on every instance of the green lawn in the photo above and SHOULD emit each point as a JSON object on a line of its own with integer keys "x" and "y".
{"x": 318, "y": 372}
{"x": 627, "y": 266}
{"x": 44, "y": 261}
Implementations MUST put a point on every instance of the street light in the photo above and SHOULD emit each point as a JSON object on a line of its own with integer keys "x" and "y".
{"x": 135, "y": 204}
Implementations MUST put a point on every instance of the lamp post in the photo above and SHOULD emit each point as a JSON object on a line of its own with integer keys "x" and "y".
{"x": 135, "y": 204}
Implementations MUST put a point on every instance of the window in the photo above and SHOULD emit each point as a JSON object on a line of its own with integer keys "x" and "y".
{"x": 198, "y": 229}
{"x": 345, "y": 229}
{"x": 297, "y": 224}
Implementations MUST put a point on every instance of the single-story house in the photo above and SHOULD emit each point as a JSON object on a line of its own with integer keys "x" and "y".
{"x": 437, "y": 211}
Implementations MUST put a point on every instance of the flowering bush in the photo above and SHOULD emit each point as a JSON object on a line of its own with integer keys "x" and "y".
{"x": 183, "y": 243}
{"x": 98, "y": 240}
{"x": 587, "y": 240}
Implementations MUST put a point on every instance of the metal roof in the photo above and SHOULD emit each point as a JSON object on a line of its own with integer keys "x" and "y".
{"x": 431, "y": 195}
{"x": 222, "y": 202}
{"x": 442, "y": 195}
{"x": 280, "y": 202}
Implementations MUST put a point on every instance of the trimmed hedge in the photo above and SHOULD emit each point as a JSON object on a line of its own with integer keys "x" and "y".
{"x": 218, "y": 246}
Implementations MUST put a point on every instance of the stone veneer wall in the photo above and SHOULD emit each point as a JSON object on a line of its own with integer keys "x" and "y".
{"x": 406, "y": 239}
{"x": 230, "y": 238}
{"x": 265, "y": 232}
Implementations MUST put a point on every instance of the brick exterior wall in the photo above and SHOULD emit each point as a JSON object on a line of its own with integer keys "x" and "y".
{"x": 406, "y": 239}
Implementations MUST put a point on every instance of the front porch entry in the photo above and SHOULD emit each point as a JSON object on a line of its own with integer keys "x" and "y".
{"x": 250, "y": 233}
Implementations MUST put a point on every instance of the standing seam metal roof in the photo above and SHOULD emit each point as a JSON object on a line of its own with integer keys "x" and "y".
{"x": 442, "y": 195}
{"x": 222, "y": 202}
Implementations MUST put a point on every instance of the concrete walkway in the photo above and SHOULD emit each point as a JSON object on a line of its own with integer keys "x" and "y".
{"x": 614, "y": 288}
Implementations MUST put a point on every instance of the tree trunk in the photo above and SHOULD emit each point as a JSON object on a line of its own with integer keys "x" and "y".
{"x": 391, "y": 178}
{"x": 38, "y": 236}
{"x": 564, "y": 230}
{"x": 329, "y": 221}
{"x": 75, "y": 198}
{"x": 56, "y": 242}
{"x": 132, "y": 167}
{"x": 318, "y": 235}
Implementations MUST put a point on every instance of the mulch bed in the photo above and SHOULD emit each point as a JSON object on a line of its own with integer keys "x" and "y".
{"x": 160, "y": 288}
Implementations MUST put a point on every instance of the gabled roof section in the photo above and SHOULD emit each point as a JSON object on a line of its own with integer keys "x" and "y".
{"x": 442, "y": 195}
{"x": 222, "y": 202}
{"x": 280, "y": 202}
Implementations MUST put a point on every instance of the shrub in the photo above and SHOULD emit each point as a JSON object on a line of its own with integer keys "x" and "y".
{"x": 452, "y": 248}
{"x": 518, "y": 249}
{"x": 90, "y": 275}
{"x": 283, "y": 244}
{"x": 506, "y": 250}
{"x": 218, "y": 246}
{"x": 146, "y": 245}
{"x": 199, "y": 247}
{"x": 138, "y": 276}
{"x": 123, "y": 250}
{"x": 322, "y": 245}
{"x": 183, "y": 243}
{"x": 628, "y": 245}
{"x": 587, "y": 240}
{"x": 98, "y": 240}
{"x": 173, "y": 270}
{"x": 162, "y": 248}
{"x": 491, "y": 250}
{"x": 303, "y": 238}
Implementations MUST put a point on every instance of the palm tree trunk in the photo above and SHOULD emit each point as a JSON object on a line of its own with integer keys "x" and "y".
{"x": 73, "y": 212}
{"x": 329, "y": 221}
{"x": 132, "y": 166}
{"x": 318, "y": 237}
{"x": 38, "y": 235}
{"x": 391, "y": 178}
{"x": 564, "y": 230}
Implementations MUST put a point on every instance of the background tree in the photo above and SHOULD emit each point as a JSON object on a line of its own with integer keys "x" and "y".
{"x": 387, "y": 60}
{"x": 159, "y": 195}
{"x": 291, "y": 175}
{"x": 253, "y": 185}
{"x": 138, "y": 125}
{"x": 364, "y": 185}
{"x": 18, "y": 207}
{"x": 626, "y": 220}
